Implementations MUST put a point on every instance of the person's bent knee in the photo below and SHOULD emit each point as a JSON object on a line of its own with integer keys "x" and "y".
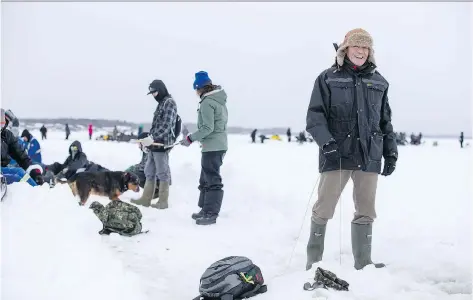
{"x": 319, "y": 220}
{"x": 362, "y": 220}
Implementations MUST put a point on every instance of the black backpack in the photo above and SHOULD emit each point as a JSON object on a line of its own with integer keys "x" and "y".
{"x": 231, "y": 278}
{"x": 177, "y": 127}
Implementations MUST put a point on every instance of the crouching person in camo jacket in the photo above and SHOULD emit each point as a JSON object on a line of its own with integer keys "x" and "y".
{"x": 139, "y": 168}
{"x": 119, "y": 217}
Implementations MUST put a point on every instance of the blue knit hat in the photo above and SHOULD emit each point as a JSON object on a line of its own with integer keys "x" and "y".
{"x": 201, "y": 79}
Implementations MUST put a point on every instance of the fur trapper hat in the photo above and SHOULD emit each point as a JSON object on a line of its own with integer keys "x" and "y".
{"x": 356, "y": 37}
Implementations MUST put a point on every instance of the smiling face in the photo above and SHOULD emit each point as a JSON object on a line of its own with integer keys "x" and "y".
{"x": 358, "y": 55}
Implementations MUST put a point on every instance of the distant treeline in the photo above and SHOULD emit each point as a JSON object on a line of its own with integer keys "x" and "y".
{"x": 79, "y": 124}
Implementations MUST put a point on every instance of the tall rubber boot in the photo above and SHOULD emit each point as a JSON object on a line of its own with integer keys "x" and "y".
{"x": 148, "y": 192}
{"x": 156, "y": 191}
{"x": 361, "y": 245}
{"x": 163, "y": 196}
{"x": 315, "y": 246}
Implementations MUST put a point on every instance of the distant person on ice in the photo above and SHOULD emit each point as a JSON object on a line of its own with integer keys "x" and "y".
{"x": 212, "y": 134}
{"x": 253, "y": 135}
{"x": 27, "y": 171}
{"x": 302, "y": 139}
{"x": 162, "y": 131}
{"x": 262, "y": 138}
{"x": 140, "y": 129}
{"x": 289, "y": 135}
{"x": 115, "y": 133}
{"x": 351, "y": 144}
{"x": 32, "y": 146}
{"x": 43, "y": 131}
{"x": 91, "y": 131}
{"x": 461, "y": 139}
{"x": 68, "y": 131}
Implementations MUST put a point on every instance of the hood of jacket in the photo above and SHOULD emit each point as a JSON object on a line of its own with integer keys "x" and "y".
{"x": 161, "y": 88}
{"x": 217, "y": 95}
{"x": 78, "y": 145}
{"x": 26, "y": 134}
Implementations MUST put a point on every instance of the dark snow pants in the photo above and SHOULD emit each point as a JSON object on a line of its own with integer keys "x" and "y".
{"x": 210, "y": 183}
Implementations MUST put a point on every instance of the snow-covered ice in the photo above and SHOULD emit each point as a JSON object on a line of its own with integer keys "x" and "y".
{"x": 51, "y": 249}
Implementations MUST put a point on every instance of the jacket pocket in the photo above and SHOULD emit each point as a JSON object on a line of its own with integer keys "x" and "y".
{"x": 345, "y": 144}
{"x": 341, "y": 98}
{"x": 375, "y": 94}
{"x": 376, "y": 146}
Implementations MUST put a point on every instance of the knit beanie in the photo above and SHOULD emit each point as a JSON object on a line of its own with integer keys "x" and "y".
{"x": 356, "y": 37}
{"x": 201, "y": 79}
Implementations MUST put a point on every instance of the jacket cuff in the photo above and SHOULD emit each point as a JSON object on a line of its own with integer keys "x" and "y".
{"x": 188, "y": 137}
{"x": 392, "y": 155}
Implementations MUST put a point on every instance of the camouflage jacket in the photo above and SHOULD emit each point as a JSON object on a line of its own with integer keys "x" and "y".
{"x": 119, "y": 216}
{"x": 140, "y": 167}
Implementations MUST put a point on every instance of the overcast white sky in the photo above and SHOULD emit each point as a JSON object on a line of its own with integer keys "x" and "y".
{"x": 97, "y": 59}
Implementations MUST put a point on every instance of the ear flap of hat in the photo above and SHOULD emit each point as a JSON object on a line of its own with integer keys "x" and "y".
{"x": 371, "y": 57}
{"x": 341, "y": 53}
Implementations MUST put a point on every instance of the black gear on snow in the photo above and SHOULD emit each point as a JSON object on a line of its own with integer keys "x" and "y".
{"x": 326, "y": 279}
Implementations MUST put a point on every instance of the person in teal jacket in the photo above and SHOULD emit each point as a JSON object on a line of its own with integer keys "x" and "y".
{"x": 212, "y": 134}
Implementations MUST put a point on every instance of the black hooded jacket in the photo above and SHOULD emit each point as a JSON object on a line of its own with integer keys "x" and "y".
{"x": 11, "y": 149}
{"x": 79, "y": 161}
{"x": 349, "y": 105}
{"x": 71, "y": 163}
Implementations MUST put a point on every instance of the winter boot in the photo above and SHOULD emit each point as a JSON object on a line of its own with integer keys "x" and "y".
{"x": 315, "y": 246}
{"x": 211, "y": 208}
{"x": 148, "y": 192}
{"x": 361, "y": 245}
{"x": 207, "y": 219}
{"x": 163, "y": 196}
{"x": 200, "y": 214}
{"x": 156, "y": 191}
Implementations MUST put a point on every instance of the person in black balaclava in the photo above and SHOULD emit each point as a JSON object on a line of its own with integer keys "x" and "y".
{"x": 162, "y": 132}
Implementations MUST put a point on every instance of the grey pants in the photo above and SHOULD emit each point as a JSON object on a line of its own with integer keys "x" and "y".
{"x": 157, "y": 167}
{"x": 331, "y": 186}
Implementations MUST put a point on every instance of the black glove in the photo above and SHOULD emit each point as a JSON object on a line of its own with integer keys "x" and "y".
{"x": 389, "y": 165}
{"x": 105, "y": 231}
{"x": 37, "y": 177}
{"x": 330, "y": 151}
